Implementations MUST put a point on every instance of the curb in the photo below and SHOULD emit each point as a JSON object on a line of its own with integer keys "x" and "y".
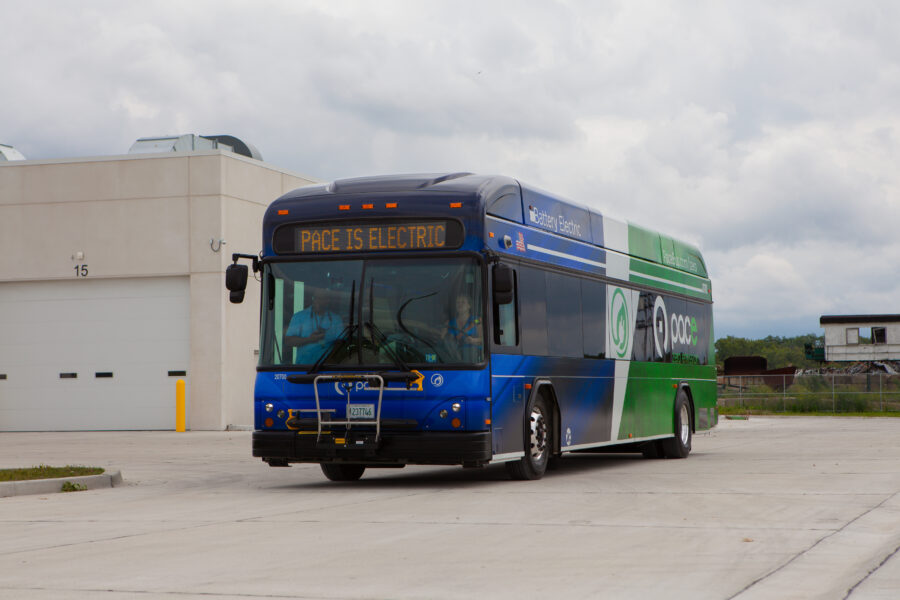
{"x": 52, "y": 486}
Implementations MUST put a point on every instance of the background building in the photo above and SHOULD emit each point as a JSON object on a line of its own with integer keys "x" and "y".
{"x": 861, "y": 337}
{"x": 112, "y": 285}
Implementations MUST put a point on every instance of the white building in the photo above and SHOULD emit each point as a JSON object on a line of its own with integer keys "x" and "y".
{"x": 112, "y": 285}
{"x": 861, "y": 337}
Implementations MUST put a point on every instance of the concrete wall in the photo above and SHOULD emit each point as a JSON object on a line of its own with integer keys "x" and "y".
{"x": 152, "y": 215}
{"x": 837, "y": 348}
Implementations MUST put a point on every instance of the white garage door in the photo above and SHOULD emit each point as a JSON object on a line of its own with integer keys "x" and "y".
{"x": 92, "y": 354}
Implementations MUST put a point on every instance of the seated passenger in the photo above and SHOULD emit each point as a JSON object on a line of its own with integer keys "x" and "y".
{"x": 313, "y": 329}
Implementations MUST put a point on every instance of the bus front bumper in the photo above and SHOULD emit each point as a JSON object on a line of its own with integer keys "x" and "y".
{"x": 279, "y": 448}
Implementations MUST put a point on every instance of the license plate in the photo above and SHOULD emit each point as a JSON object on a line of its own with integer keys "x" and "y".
{"x": 361, "y": 411}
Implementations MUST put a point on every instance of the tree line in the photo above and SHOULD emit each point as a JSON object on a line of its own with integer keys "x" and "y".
{"x": 778, "y": 351}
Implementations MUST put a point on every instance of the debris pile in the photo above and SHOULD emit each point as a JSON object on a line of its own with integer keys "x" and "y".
{"x": 891, "y": 367}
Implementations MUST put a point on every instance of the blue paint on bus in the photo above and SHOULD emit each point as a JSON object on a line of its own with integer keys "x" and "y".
{"x": 471, "y": 408}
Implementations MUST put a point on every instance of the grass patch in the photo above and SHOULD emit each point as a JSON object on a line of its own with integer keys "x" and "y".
{"x": 68, "y": 486}
{"x": 755, "y": 410}
{"x": 47, "y": 472}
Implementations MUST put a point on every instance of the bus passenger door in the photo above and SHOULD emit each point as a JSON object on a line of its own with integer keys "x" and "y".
{"x": 507, "y": 364}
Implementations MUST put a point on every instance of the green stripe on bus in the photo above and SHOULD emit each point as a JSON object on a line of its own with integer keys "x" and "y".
{"x": 666, "y": 273}
{"x": 670, "y": 287}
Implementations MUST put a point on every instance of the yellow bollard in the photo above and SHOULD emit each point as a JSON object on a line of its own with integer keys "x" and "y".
{"x": 179, "y": 405}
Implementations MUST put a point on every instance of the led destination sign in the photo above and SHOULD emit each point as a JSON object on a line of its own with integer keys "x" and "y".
{"x": 368, "y": 237}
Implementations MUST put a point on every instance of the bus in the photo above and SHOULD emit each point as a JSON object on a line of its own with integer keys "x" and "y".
{"x": 461, "y": 319}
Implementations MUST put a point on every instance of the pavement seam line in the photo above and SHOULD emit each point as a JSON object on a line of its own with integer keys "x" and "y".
{"x": 180, "y": 593}
{"x": 348, "y": 504}
{"x": 198, "y": 526}
{"x": 872, "y": 572}
{"x": 807, "y": 550}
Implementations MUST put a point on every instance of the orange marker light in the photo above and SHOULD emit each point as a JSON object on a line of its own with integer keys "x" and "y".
{"x": 343, "y": 207}
{"x": 269, "y": 422}
{"x": 456, "y": 422}
{"x": 456, "y": 205}
{"x": 282, "y": 212}
{"x": 527, "y": 386}
{"x": 368, "y": 206}
{"x": 487, "y": 421}
{"x": 391, "y": 205}
{"x": 490, "y": 234}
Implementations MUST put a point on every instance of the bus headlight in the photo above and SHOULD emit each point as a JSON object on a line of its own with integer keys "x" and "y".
{"x": 456, "y": 407}
{"x": 270, "y": 407}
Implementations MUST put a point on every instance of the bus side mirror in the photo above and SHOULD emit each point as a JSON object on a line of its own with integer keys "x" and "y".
{"x": 502, "y": 284}
{"x": 236, "y": 282}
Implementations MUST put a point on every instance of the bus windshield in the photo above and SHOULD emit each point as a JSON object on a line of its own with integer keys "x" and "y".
{"x": 379, "y": 313}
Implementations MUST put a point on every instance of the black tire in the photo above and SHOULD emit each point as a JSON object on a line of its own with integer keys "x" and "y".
{"x": 538, "y": 436}
{"x": 342, "y": 472}
{"x": 680, "y": 445}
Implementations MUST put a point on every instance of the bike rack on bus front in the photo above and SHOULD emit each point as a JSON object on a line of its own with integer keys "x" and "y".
{"x": 344, "y": 379}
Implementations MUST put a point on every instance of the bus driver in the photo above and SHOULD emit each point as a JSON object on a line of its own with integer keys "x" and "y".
{"x": 314, "y": 328}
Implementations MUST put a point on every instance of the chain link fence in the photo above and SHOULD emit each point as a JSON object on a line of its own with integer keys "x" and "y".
{"x": 837, "y": 393}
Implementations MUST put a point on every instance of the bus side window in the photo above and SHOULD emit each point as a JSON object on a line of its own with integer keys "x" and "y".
{"x": 593, "y": 306}
{"x": 506, "y": 324}
{"x": 533, "y": 300}
{"x": 564, "y": 322}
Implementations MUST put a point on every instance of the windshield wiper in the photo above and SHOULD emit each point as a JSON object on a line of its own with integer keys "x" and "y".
{"x": 339, "y": 342}
{"x": 382, "y": 339}
{"x": 343, "y": 337}
{"x": 410, "y": 333}
{"x": 382, "y": 343}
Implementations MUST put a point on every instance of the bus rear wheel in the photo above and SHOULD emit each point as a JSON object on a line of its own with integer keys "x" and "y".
{"x": 342, "y": 472}
{"x": 538, "y": 442}
{"x": 680, "y": 445}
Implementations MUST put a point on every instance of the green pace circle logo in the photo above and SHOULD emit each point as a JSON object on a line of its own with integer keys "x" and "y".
{"x": 619, "y": 323}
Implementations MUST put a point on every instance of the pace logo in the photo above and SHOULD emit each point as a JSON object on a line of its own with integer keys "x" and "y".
{"x": 668, "y": 331}
{"x": 619, "y": 323}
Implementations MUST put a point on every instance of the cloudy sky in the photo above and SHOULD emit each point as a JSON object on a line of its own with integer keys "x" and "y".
{"x": 768, "y": 133}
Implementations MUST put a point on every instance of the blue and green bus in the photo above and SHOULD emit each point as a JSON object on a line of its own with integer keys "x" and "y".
{"x": 460, "y": 319}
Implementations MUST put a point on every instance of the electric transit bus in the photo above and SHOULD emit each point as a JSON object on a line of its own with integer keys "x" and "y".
{"x": 468, "y": 320}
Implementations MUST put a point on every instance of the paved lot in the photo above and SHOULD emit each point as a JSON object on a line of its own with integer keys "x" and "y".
{"x": 765, "y": 508}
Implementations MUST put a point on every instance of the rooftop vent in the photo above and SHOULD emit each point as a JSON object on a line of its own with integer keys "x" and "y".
{"x": 9, "y": 153}
{"x": 190, "y": 142}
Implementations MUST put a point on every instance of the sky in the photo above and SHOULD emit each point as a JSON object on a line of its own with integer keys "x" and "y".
{"x": 765, "y": 132}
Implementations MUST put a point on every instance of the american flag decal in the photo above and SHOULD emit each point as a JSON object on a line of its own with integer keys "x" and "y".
{"x": 520, "y": 243}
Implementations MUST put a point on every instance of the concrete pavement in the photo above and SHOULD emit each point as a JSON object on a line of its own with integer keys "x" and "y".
{"x": 767, "y": 508}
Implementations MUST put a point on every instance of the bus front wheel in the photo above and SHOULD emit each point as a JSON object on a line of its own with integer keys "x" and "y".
{"x": 680, "y": 445}
{"x": 342, "y": 472}
{"x": 538, "y": 433}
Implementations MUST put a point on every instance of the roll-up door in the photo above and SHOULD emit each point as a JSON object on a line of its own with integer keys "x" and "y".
{"x": 92, "y": 354}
